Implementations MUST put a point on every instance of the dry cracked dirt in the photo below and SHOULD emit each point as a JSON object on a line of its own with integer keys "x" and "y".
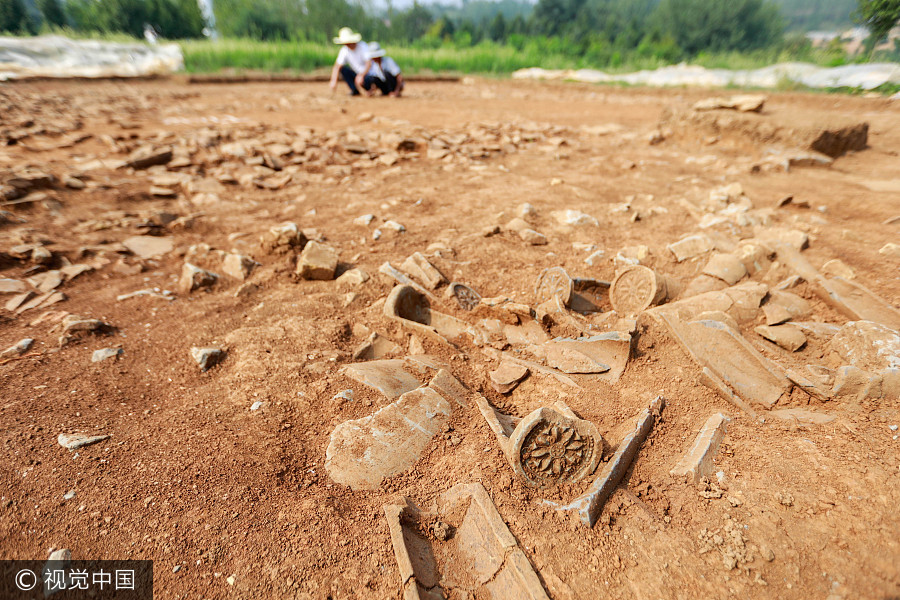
{"x": 492, "y": 340}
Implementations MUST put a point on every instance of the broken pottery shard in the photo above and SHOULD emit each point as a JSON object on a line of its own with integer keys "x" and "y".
{"x": 153, "y": 293}
{"x": 730, "y": 358}
{"x": 73, "y": 327}
{"x": 387, "y": 376}
{"x": 317, "y": 261}
{"x": 536, "y": 367}
{"x": 741, "y": 302}
{"x": 376, "y": 346}
{"x": 573, "y": 217}
{"x": 466, "y": 297}
{"x": 606, "y": 354}
{"x": 589, "y": 505}
{"x": 549, "y": 447}
{"x": 78, "y": 440}
{"x": 282, "y": 238}
{"x": 147, "y": 156}
{"x": 195, "y": 278}
{"x": 742, "y": 103}
{"x": 784, "y": 306}
{"x": 850, "y": 298}
{"x": 589, "y": 294}
{"x": 713, "y": 382}
{"x": 413, "y": 310}
{"x": 11, "y": 286}
{"x": 389, "y": 270}
{"x": 363, "y": 452}
{"x": 727, "y": 267}
{"x": 449, "y": 387}
{"x": 554, "y": 283}
{"x": 507, "y": 376}
{"x": 17, "y": 349}
{"x": 418, "y": 267}
{"x": 637, "y": 288}
{"x": 352, "y": 277}
{"x": 207, "y": 357}
{"x": 810, "y": 383}
{"x": 802, "y": 416}
{"x": 532, "y": 237}
{"x": 787, "y": 336}
{"x": 105, "y": 353}
{"x": 691, "y": 246}
{"x": 867, "y": 345}
{"x": 698, "y": 462}
{"x": 853, "y": 382}
{"x": 19, "y": 300}
{"x": 238, "y": 266}
{"x": 481, "y": 559}
{"x": 859, "y": 303}
{"x": 148, "y": 246}
{"x": 837, "y": 268}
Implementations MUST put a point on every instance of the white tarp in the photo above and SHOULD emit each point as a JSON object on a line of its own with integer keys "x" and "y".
{"x": 57, "y": 56}
{"x": 865, "y": 76}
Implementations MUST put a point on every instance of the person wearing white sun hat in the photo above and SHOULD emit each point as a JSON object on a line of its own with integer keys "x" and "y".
{"x": 381, "y": 72}
{"x": 351, "y": 60}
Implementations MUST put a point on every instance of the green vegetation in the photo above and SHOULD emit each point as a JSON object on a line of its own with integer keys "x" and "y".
{"x": 480, "y": 36}
{"x": 14, "y": 17}
{"x": 879, "y": 16}
{"x": 817, "y": 15}
{"x": 487, "y": 58}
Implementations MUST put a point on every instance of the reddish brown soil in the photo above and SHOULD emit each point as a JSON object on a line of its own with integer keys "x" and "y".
{"x": 191, "y": 477}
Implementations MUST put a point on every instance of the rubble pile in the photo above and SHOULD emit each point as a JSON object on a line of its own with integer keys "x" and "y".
{"x": 377, "y": 355}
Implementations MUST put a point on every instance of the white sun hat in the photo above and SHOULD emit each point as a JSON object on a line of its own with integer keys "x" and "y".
{"x": 375, "y": 50}
{"x": 346, "y": 36}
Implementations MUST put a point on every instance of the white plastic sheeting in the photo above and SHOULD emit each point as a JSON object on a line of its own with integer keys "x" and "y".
{"x": 57, "y": 56}
{"x": 865, "y": 76}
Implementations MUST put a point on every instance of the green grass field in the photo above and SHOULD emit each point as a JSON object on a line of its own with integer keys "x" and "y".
{"x": 203, "y": 56}
{"x": 211, "y": 56}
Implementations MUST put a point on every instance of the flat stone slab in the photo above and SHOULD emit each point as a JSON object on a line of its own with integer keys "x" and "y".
{"x": 468, "y": 551}
{"x": 364, "y": 452}
{"x": 698, "y": 462}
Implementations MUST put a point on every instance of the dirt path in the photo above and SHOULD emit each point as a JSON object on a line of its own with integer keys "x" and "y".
{"x": 191, "y": 477}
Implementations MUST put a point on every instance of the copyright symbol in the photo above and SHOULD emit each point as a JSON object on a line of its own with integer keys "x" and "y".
{"x": 26, "y": 580}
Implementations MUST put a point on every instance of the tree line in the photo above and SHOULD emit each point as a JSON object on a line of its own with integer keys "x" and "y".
{"x": 600, "y": 29}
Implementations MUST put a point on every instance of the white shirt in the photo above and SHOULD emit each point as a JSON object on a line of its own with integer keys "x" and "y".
{"x": 387, "y": 66}
{"x": 356, "y": 58}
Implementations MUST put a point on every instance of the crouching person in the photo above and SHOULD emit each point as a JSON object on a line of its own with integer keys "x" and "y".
{"x": 351, "y": 61}
{"x": 381, "y": 73}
